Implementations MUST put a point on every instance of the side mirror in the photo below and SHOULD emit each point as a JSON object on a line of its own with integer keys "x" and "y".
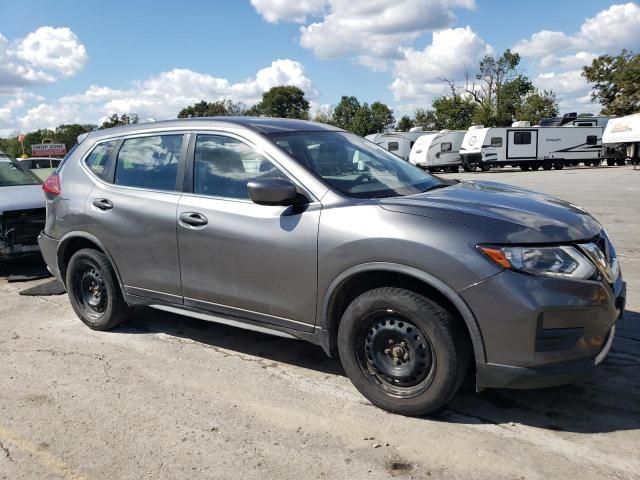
{"x": 273, "y": 191}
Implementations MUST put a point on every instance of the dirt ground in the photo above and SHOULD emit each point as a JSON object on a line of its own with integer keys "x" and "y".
{"x": 170, "y": 397}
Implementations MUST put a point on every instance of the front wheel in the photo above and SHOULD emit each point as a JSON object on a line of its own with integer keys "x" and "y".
{"x": 94, "y": 292}
{"x": 404, "y": 352}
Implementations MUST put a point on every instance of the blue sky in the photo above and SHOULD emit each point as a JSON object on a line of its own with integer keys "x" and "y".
{"x": 113, "y": 55}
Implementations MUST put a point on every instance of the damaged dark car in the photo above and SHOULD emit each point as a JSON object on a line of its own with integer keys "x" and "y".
{"x": 22, "y": 210}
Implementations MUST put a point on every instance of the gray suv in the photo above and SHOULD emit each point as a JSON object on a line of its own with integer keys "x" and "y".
{"x": 311, "y": 231}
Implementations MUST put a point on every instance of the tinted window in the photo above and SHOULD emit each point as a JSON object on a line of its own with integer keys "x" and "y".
{"x": 149, "y": 162}
{"x": 393, "y": 146}
{"x": 585, "y": 124}
{"x": 354, "y": 166}
{"x": 522, "y": 138}
{"x": 223, "y": 166}
{"x": 98, "y": 158}
{"x": 445, "y": 147}
{"x": 592, "y": 140}
{"x": 496, "y": 141}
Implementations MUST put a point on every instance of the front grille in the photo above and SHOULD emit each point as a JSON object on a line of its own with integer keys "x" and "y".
{"x": 21, "y": 227}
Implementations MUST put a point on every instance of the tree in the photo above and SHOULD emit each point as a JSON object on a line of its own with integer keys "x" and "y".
{"x": 68, "y": 133}
{"x": 213, "y": 109}
{"x": 405, "y": 124}
{"x": 363, "y": 122}
{"x": 285, "y": 101}
{"x": 500, "y": 89}
{"x": 124, "y": 119}
{"x": 616, "y": 82}
{"x": 345, "y": 112}
{"x": 454, "y": 112}
{"x": 423, "y": 118}
{"x": 324, "y": 116}
{"x": 382, "y": 117}
{"x": 585, "y": 114}
{"x": 536, "y": 106}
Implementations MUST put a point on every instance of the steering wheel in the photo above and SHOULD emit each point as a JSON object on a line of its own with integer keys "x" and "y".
{"x": 362, "y": 179}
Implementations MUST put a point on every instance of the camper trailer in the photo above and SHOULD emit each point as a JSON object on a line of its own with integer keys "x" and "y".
{"x": 438, "y": 151}
{"x": 399, "y": 143}
{"x": 530, "y": 147}
{"x": 624, "y": 131}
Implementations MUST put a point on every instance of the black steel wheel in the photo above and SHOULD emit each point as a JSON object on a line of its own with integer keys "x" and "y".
{"x": 93, "y": 290}
{"x": 403, "y": 351}
{"x": 396, "y": 353}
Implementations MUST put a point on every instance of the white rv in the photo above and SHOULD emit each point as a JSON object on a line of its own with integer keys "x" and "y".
{"x": 438, "y": 151}
{"x": 624, "y": 131}
{"x": 399, "y": 143}
{"x": 530, "y": 147}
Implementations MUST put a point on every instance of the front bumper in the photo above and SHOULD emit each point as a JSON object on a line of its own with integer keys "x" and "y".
{"x": 49, "y": 248}
{"x": 542, "y": 332}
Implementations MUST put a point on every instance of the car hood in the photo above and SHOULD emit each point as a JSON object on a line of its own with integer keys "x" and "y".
{"x": 21, "y": 197}
{"x": 516, "y": 214}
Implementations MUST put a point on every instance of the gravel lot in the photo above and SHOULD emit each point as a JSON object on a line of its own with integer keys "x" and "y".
{"x": 167, "y": 397}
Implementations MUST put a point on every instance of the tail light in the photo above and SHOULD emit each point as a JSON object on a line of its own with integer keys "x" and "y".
{"x": 52, "y": 185}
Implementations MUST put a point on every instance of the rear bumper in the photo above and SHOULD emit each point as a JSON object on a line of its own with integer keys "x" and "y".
{"x": 49, "y": 249}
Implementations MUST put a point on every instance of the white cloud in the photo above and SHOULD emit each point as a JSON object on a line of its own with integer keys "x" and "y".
{"x": 287, "y": 10}
{"x": 420, "y": 73}
{"x": 372, "y": 31}
{"x": 557, "y": 57}
{"x": 159, "y": 97}
{"x": 55, "y": 49}
{"x": 41, "y": 57}
{"x": 614, "y": 28}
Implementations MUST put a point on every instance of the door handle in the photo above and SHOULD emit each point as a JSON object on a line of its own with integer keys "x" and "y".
{"x": 103, "y": 204}
{"x": 193, "y": 219}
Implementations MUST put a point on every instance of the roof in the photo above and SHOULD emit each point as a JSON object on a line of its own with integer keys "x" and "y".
{"x": 264, "y": 125}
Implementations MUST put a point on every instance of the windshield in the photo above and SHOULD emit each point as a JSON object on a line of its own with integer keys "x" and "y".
{"x": 12, "y": 174}
{"x": 354, "y": 166}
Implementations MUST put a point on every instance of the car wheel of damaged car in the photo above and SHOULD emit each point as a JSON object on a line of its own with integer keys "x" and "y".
{"x": 94, "y": 291}
{"x": 402, "y": 351}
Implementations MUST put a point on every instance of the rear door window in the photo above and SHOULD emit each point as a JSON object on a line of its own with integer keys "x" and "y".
{"x": 445, "y": 147}
{"x": 496, "y": 141}
{"x": 149, "y": 162}
{"x": 99, "y": 157}
{"x": 393, "y": 146}
{"x": 592, "y": 140}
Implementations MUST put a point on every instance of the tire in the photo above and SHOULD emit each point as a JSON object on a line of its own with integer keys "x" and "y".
{"x": 485, "y": 167}
{"x": 611, "y": 162}
{"x": 94, "y": 292}
{"x": 558, "y": 166}
{"x": 621, "y": 163}
{"x": 468, "y": 168}
{"x": 546, "y": 165}
{"x": 524, "y": 168}
{"x": 388, "y": 325}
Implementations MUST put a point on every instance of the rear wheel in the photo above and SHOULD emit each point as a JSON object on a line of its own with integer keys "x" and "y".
{"x": 485, "y": 167}
{"x": 524, "y": 168}
{"x": 402, "y": 351}
{"x": 611, "y": 162}
{"x": 94, "y": 292}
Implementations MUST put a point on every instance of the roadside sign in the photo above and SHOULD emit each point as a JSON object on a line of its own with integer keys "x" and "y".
{"x": 47, "y": 149}
{"x": 21, "y": 138}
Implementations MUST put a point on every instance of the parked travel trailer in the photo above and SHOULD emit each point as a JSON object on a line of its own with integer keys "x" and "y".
{"x": 399, "y": 143}
{"x": 530, "y": 147}
{"x": 624, "y": 131}
{"x": 438, "y": 151}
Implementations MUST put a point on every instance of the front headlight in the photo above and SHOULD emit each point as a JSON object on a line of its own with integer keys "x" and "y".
{"x": 561, "y": 261}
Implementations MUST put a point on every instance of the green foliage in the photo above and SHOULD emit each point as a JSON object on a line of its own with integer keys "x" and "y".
{"x": 616, "y": 82}
{"x": 324, "y": 116}
{"x": 453, "y": 112}
{"x": 536, "y": 106}
{"x": 345, "y": 112}
{"x": 124, "y": 119}
{"x": 382, "y": 117}
{"x": 405, "y": 124}
{"x": 221, "y": 108}
{"x": 67, "y": 134}
{"x": 500, "y": 90}
{"x": 285, "y": 101}
{"x": 362, "y": 119}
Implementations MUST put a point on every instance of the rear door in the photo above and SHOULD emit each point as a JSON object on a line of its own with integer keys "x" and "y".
{"x": 239, "y": 258}
{"x": 522, "y": 144}
{"x": 132, "y": 210}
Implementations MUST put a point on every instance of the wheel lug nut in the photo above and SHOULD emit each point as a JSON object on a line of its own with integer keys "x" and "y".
{"x": 390, "y": 342}
{"x": 387, "y": 351}
{"x": 406, "y": 356}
